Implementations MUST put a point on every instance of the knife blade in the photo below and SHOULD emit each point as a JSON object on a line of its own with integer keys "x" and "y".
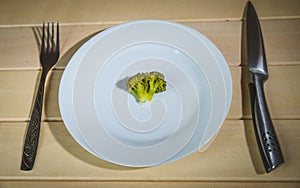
{"x": 266, "y": 136}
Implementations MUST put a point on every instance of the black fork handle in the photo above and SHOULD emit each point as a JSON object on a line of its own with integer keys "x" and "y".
{"x": 33, "y": 131}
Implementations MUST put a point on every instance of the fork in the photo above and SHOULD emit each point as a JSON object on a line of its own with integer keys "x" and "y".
{"x": 48, "y": 58}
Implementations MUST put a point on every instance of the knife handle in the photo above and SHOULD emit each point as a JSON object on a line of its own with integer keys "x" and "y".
{"x": 268, "y": 143}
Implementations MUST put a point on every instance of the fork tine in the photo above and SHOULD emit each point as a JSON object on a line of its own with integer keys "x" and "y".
{"x": 52, "y": 38}
{"x": 43, "y": 39}
{"x": 57, "y": 38}
{"x": 48, "y": 37}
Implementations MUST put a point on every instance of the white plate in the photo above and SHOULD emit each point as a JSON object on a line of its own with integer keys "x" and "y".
{"x": 149, "y": 147}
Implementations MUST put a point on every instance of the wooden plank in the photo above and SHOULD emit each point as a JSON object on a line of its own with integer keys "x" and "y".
{"x": 23, "y": 54}
{"x": 281, "y": 90}
{"x": 145, "y": 184}
{"x": 19, "y": 47}
{"x": 17, "y": 90}
{"x": 107, "y": 11}
{"x": 231, "y": 157}
{"x": 19, "y": 87}
{"x": 282, "y": 42}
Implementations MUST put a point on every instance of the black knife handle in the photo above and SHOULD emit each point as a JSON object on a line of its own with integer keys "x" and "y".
{"x": 268, "y": 143}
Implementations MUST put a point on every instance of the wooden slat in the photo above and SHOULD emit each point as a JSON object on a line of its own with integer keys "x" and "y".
{"x": 282, "y": 92}
{"x": 107, "y": 11}
{"x": 145, "y": 184}
{"x": 282, "y": 42}
{"x": 16, "y": 56}
{"x": 19, "y": 48}
{"x": 17, "y": 92}
{"x": 16, "y": 107}
{"x": 228, "y": 159}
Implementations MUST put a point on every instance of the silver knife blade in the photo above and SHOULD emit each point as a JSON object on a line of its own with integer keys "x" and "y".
{"x": 255, "y": 45}
{"x": 266, "y": 136}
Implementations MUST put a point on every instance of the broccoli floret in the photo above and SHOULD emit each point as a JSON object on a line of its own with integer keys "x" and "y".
{"x": 144, "y": 85}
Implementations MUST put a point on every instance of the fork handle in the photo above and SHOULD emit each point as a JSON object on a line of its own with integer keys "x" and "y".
{"x": 33, "y": 131}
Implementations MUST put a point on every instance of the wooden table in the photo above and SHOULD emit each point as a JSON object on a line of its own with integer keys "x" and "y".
{"x": 231, "y": 161}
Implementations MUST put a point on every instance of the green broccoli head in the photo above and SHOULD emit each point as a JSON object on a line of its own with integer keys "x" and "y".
{"x": 144, "y": 85}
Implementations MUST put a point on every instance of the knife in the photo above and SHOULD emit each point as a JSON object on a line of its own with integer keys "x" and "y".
{"x": 266, "y": 137}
